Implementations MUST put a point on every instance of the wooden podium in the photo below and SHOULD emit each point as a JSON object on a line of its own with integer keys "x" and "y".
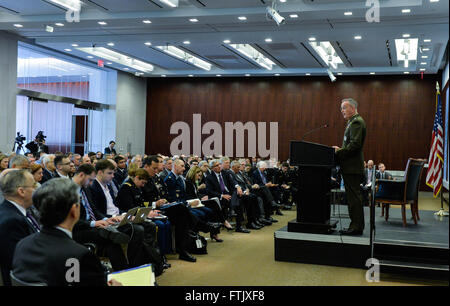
{"x": 314, "y": 187}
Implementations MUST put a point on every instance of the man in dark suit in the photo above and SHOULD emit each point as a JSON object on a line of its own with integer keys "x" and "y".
{"x": 351, "y": 161}
{"x": 110, "y": 149}
{"x": 178, "y": 215}
{"x": 15, "y": 224}
{"x": 62, "y": 165}
{"x": 260, "y": 177}
{"x": 121, "y": 170}
{"x": 382, "y": 173}
{"x": 54, "y": 253}
{"x": 48, "y": 164}
{"x": 90, "y": 227}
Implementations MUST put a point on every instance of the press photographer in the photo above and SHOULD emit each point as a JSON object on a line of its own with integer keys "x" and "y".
{"x": 38, "y": 145}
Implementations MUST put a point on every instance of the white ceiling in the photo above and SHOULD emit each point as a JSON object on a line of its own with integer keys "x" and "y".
{"x": 218, "y": 20}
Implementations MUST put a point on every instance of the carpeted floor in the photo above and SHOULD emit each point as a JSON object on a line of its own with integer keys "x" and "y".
{"x": 248, "y": 260}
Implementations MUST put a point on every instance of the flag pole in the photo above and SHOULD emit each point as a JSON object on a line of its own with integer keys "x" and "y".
{"x": 441, "y": 212}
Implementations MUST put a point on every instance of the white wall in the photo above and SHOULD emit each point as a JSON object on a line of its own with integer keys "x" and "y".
{"x": 131, "y": 109}
{"x": 8, "y": 85}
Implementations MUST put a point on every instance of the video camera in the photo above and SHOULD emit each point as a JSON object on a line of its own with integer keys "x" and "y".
{"x": 20, "y": 139}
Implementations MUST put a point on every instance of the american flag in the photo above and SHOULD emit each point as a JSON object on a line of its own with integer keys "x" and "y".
{"x": 435, "y": 161}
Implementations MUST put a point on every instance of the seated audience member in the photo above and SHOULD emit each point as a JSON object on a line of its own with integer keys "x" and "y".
{"x": 288, "y": 190}
{"x": 31, "y": 158}
{"x": 178, "y": 215}
{"x": 37, "y": 172}
{"x": 86, "y": 160}
{"x": 103, "y": 198}
{"x": 53, "y": 247}
{"x": 121, "y": 170}
{"x": 137, "y": 160}
{"x": 110, "y": 149}
{"x": 49, "y": 167}
{"x": 62, "y": 165}
{"x": 91, "y": 225}
{"x": 216, "y": 188}
{"x": 249, "y": 201}
{"x": 260, "y": 178}
{"x": 19, "y": 162}
{"x": 4, "y": 162}
{"x": 167, "y": 163}
{"x": 382, "y": 173}
{"x": 76, "y": 159}
{"x": 17, "y": 187}
{"x": 72, "y": 170}
{"x": 368, "y": 172}
{"x": 176, "y": 192}
{"x": 130, "y": 195}
{"x": 99, "y": 155}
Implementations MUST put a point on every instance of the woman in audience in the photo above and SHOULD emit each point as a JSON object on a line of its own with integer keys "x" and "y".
{"x": 193, "y": 178}
{"x": 37, "y": 172}
{"x": 4, "y": 161}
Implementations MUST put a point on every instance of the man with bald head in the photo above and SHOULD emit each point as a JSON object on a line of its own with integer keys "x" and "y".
{"x": 351, "y": 160}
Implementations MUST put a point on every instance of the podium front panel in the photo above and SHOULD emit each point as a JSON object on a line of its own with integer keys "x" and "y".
{"x": 304, "y": 153}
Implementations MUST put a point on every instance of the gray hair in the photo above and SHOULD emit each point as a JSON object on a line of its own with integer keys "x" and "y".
{"x": 235, "y": 163}
{"x": 261, "y": 164}
{"x": 18, "y": 161}
{"x": 54, "y": 200}
{"x": 12, "y": 181}
{"x": 47, "y": 159}
{"x": 212, "y": 162}
{"x": 351, "y": 101}
{"x": 203, "y": 162}
{"x": 74, "y": 156}
{"x": 224, "y": 159}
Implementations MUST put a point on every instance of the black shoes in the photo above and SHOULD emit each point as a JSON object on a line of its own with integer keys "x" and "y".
{"x": 187, "y": 257}
{"x": 253, "y": 225}
{"x": 273, "y": 220}
{"x": 279, "y": 213}
{"x": 242, "y": 230}
{"x": 214, "y": 237}
{"x": 351, "y": 232}
{"x": 265, "y": 221}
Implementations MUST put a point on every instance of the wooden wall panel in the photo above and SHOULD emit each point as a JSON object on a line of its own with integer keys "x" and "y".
{"x": 398, "y": 110}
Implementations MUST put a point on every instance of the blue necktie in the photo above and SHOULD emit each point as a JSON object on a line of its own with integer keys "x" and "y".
{"x": 86, "y": 205}
{"x": 222, "y": 185}
{"x": 33, "y": 222}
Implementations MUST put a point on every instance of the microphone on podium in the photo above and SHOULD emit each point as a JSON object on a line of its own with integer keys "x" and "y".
{"x": 313, "y": 130}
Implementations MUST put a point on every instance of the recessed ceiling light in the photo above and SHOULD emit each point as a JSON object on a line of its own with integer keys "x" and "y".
{"x": 372, "y": 73}
{"x": 406, "y": 35}
{"x": 74, "y": 45}
{"x": 102, "y": 23}
{"x": 148, "y": 43}
{"x": 59, "y": 24}
{"x": 191, "y": 75}
{"x": 405, "y": 72}
{"x": 427, "y": 40}
{"x": 226, "y": 41}
{"x": 424, "y": 56}
{"x": 163, "y": 75}
{"x": 358, "y": 37}
{"x": 422, "y": 69}
{"x": 423, "y": 63}
{"x": 186, "y": 42}
{"x": 426, "y": 49}
{"x": 339, "y": 73}
{"x": 432, "y": 1}
{"x": 308, "y": 74}
{"x": 110, "y": 44}
{"x": 348, "y": 13}
{"x": 242, "y": 18}
{"x": 405, "y": 11}
{"x": 293, "y": 16}
{"x": 17, "y": 25}
{"x": 247, "y": 74}
{"x": 68, "y": 50}
{"x": 146, "y": 21}
{"x": 193, "y": 20}
{"x": 268, "y": 40}
{"x": 283, "y": 1}
{"x": 89, "y": 56}
{"x": 109, "y": 63}
{"x": 219, "y": 75}
{"x": 277, "y": 74}
{"x": 312, "y": 39}
{"x": 126, "y": 68}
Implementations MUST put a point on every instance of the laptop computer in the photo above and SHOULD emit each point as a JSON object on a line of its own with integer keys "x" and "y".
{"x": 141, "y": 215}
{"x": 126, "y": 218}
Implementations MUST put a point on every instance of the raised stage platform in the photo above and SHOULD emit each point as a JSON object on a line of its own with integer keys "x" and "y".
{"x": 420, "y": 249}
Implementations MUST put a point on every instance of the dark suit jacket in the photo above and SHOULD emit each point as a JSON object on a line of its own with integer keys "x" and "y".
{"x": 350, "y": 157}
{"x": 257, "y": 178}
{"x": 109, "y": 151}
{"x": 14, "y": 226}
{"x": 46, "y": 175}
{"x": 98, "y": 197}
{"x": 120, "y": 176}
{"x": 387, "y": 175}
{"x": 42, "y": 257}
{"x": 213, "y": 186}
{"x": 191, "y": 190}
{"x": 176, "y": 190}
{"x": 82, "y": 223}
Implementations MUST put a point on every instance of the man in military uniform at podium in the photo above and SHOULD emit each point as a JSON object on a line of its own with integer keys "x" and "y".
{"x": 351, "y": 160}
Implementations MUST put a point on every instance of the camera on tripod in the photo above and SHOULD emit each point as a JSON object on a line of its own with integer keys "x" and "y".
{"x": 20, "y": 139}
